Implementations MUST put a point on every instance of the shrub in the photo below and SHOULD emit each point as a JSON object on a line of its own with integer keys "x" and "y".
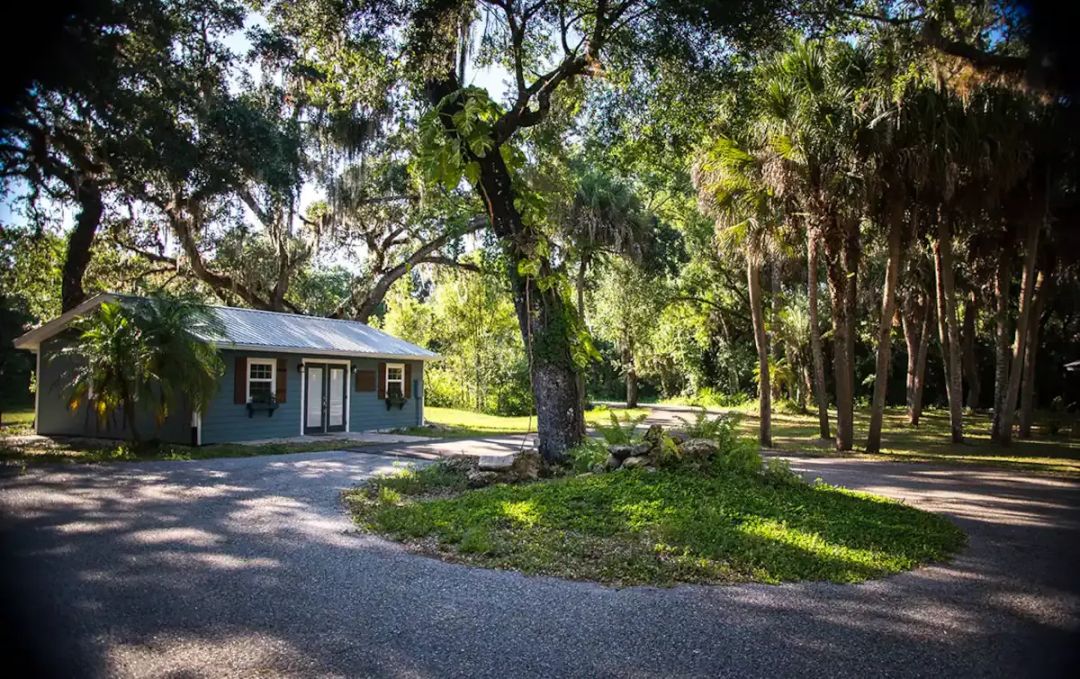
{"x": 785, "y": 406}
{"x": 778, "y": 472}
{"x": 738, "y": 456}
{"x": 708, "y": 397}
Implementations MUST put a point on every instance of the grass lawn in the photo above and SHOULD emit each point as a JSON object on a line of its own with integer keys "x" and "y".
{"x": 929, "y": 443}
{"x": 17, "y": 422}
{"x": 49, "y": 451}
{"x": 637, "y": 528}
{"x": 465, "y": 423}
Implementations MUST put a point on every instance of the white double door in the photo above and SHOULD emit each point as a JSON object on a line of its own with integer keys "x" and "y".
{"x": 325, "y": 397}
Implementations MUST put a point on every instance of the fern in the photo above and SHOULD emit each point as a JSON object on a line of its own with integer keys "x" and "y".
{"x": 720, "y": 428}
{"x": 623, "y": 432}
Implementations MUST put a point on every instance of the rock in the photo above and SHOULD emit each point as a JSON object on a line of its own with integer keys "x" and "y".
{"x": 621, "y": 451}
{"x": 653, "y": 434}
{"x": 526, "y": 466}
{"x": 496, "y": 463}
{"x": 634, "y": 462}
{"x": 699, "y": 449}
{"x": 644, "y": 448}
{"x": 462, "y": 464}
{"x": 678, "y": 437}
{"x": 478, "y": 478}
{"x": 613, "y": 462}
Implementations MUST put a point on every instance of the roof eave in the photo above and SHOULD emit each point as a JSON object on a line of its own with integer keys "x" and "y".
{"x": 31, "y": 341}
{"x": 311, "y": 351}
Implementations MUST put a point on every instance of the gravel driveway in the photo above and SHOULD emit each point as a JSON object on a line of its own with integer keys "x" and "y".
{"x": 242, "y": 567}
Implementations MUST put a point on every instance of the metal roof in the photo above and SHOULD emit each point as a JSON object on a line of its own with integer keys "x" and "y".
{"x": 254, "y": 330}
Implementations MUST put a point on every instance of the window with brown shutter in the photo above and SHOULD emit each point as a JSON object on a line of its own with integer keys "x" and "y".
{"x": 382, "y": 380}
{"x": 240, "y": 381}
{"x": 408, "y": 380}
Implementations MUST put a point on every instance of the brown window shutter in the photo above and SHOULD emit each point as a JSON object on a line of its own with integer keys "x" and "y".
{"x": 382, "y": 379}
{"x": 365, "y": 380}
{"x": 408, "y": 380}
{"x": 240, "y": 381}
{"x": 282, "y": 382}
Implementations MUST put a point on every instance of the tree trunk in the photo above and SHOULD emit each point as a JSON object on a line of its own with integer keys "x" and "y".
{"x": 1002, "y": 284}
{"x": 1027, "y": 286}
{"x": 543, "y": 316}
{"x": 969, "y": 358}
{"x": 917, "y": 320}
{"x": 583, "y": 267}
{"x": 842, "y": 255}
{"x": 130, "y": 417}
{"x": 1044, "y": 283}
{"x": 817, "y": 355}
{"x": 912, "y": 319}
{"x": 761, "y": 340}
{"x": 948, "y": 330}
{"x": 631, "y": 382}
{"x": 920, "y": 365}
{"x": 79, "y": 245}
{"x": 888, "y": 309}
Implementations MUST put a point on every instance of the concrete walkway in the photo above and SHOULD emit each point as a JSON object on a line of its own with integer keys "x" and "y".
{"x": 242, "y": 567}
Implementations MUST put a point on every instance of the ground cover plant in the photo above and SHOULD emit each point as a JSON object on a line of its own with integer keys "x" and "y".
{"x": 727, "y": 518}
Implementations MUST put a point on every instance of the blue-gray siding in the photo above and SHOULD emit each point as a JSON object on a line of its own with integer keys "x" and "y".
{"x": 367, "y": 412}
{"x": 227, "y": 421}
{"x": 54, "y": 418}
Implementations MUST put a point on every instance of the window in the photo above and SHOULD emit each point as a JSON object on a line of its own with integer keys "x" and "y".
{"x": 261, "y": 380}
{"x": 395, "y": 379}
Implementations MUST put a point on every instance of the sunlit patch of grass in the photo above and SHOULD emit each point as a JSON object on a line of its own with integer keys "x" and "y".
{"x": 661, "y": 528}
{"x": 454, "y": 423}
{"x": 18, "y": 422}
{"x": 930, "y": 442}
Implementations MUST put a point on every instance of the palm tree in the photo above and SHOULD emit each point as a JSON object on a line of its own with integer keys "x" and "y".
{"x": 143, "y": 353}
{"x": 936, "y": 166}
{"x": 882, "y": 147}
{"x": 729, "y": 185}
{"x": 105, "y": 367}
{"x": 605, "y": 218}
{"x": 179, "y": 360}
{"x": 808, "y": 119}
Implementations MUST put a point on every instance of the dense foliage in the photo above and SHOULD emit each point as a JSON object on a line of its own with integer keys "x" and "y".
{"x": 819, "y": 205}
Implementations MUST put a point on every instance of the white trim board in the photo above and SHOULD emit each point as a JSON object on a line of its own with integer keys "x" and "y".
{"x": 258, "y": 360}
{"x": 37, "y": 392}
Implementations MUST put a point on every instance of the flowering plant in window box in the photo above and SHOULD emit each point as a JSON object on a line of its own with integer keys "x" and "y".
{"x": 395, "y": 399}
{"x": 267, "y": 402}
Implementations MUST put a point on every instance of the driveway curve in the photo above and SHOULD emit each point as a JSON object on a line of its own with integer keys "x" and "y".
{"x": 241, "y": 567}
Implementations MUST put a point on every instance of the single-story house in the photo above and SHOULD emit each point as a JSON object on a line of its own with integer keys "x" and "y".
{"x": 285, "y": 375}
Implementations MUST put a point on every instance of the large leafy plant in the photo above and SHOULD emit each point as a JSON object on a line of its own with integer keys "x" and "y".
{"x": 142, "y": 354}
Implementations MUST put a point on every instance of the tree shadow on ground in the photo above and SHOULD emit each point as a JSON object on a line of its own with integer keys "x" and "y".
{"x": 249, "y": 566}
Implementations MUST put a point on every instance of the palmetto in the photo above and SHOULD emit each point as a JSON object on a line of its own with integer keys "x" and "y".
{"x": 150, "y": 354}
